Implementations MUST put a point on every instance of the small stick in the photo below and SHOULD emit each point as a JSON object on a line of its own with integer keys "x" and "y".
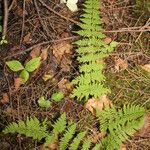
{"x": 23, "y": 22}
{"x": 5, "y": 22}
{"x": 43, "y": 43}
{"x": 11, "y": 5}
{"x": 40, "y": 19}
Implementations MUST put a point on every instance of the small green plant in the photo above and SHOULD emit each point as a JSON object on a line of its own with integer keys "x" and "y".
{"x": 120, "y": 124}
{"x": 30, "y": 66}
{"x": 58, "y": 96}
{"x": 43, "y": 102}
{"x": 3, "y": 40}
{"x": 91, "y": 51}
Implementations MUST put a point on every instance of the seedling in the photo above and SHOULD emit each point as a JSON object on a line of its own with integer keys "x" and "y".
{"x": 43, "y": 102}
{"x": 58, "y": 96}
{"x": 30, "y": 66}
{"x": 3, "y": 40}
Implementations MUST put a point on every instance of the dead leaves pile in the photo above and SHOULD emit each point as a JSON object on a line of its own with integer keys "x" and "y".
{"x": 120, "y": 64}
{"x": 146, "y": 67}
{"x": 98, "y": 103}
{"x": 65, "y": 86}
{"x": 62, "y": 52}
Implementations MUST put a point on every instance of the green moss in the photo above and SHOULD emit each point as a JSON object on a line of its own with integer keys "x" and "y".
{"x": 131, "y": 86}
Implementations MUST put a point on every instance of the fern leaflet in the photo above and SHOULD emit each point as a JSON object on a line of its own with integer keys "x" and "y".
{"x": 67, "y": 137}
{"x": 120, "y": 124}
{"x": 31, "y": 128}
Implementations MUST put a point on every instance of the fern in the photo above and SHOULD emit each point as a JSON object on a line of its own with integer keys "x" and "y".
{"x": 86, "y": 145}
{"x": 58, "y": 127}
{"x": 62, "y": 132}
{"x": 31, "y": 128}
{"x": 91, "y": 50}
{"x": 120, "y": 124}
{"x": 75, "y": 144}
{"x": 60, "y": 124}
{"x": 67, "y": 137}
{"x": 97, "y": 147}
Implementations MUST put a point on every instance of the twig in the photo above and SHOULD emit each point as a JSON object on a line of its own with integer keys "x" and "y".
{"x": 145, "y": 26}
{"x": 71, "y": 20}
{"x": 42, "y": 43}
{"x": 40, "y": 19}
{"x": 5, "y": 22}
{"x": 127, "y": 30}
{"x": 11, "y": 5}
{"x": 23, "y": 23}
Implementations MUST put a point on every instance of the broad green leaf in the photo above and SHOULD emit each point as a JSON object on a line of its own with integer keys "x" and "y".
{"x": 32, "y": 64}
{"x": 58, "y": 96}
{"x": 14, "y": 65}
{"x": 24, "y": 75}
{"x": 43, "y": 102}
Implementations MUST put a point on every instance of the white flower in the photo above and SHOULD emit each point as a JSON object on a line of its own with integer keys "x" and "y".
{"x": 71, "y": 4}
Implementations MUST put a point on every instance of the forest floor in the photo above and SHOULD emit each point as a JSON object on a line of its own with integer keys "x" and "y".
{"x": 45, "y": 28}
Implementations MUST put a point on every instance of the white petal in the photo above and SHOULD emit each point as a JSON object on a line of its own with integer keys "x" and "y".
{"x": 72, "y": 1}
{"x": 72, "y": 7}
{"x": 63, "y": 1}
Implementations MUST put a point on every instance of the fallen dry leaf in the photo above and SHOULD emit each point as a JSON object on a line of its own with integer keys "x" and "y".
{"x": 35, "y": 52}
{"x": 5, "y": 98}
{"x": 144, "y": 132}
{"x": 17, "y": 83}
{"x": 107, "y": 40}
{"x": 123, "y": 147}
{"x": 66, "y": 63}
{"x": 27, "y": 38}
{"x": 105, "y": 20}
{"x": 65, "y": 86}
{"x": 120, "y": 64}
{"x": 9, "y": 110}
{"x": 59, "y": 49}
{"x": 52, "y": 146}
{"x": 146, "y": 67}
{"x": 98, "y": 103}
{"x": 46, "y": 76}
{"x": 44, "y": 53}
{"x": 96, "y": 136}
{"x": 19, "y": 11}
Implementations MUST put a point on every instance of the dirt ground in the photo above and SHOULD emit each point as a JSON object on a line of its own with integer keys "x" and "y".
{"x": 45, "y": 28}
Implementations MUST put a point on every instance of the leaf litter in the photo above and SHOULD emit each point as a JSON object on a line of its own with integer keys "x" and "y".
{"x": 62, "y": 53}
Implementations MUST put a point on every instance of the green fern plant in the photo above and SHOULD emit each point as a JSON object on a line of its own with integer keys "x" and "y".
{"x": 91, "y": 51}
{"x": 65, "y": 134}
{"x": 120, "y": 124}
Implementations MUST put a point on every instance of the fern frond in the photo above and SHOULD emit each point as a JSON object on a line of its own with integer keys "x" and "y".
{"x": 60, "y": 125}
{"x": 88, "y": 90}
{"x": 120, "y": 124}
{"x": 64, "y": 141}
{"x": 86, "y": 144}
{"x": 110, "y": 118}
{"x": 97, "y": 147}
{"x": 91, "y": 50}
{"x": 75, "y": 144}
{"x": 31, "y": 128}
